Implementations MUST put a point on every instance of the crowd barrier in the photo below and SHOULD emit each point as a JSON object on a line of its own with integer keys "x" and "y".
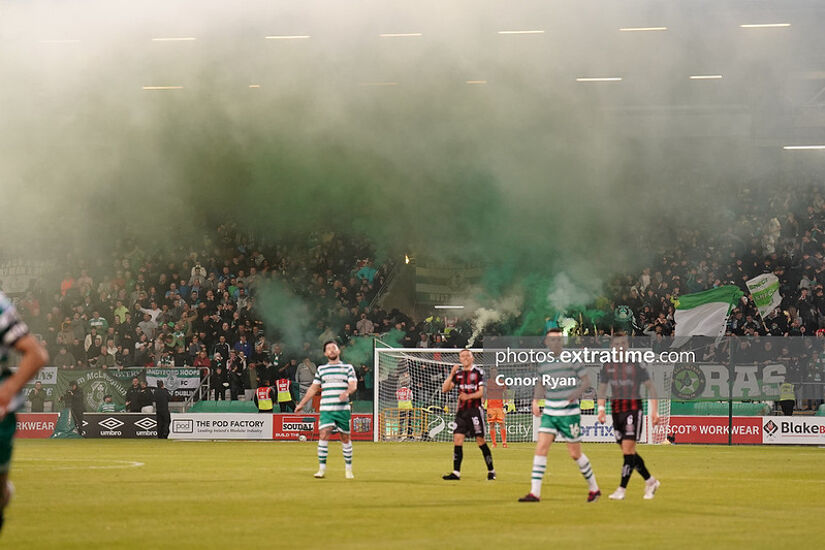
{"x": 747, "y": 430}
{"x": 284, "y": 427}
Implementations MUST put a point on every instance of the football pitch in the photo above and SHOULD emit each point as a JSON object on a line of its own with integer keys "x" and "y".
{"x": 170, "y": 494}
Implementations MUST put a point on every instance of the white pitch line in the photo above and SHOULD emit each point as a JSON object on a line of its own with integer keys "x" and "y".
{"x": 119, "y": 464}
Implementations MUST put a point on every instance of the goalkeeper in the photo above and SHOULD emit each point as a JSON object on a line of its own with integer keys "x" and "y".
{"x": 495, "y": 408}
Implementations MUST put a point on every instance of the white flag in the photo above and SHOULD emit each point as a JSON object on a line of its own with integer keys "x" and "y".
{"x": 765, "y": 292}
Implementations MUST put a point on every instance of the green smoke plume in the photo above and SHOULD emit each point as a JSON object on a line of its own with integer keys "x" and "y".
{"x": 527, "y": 174}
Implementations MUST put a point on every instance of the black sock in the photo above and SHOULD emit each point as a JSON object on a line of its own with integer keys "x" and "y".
{"x": 640, "y": 467}
{"x": 627, "y": 469}
{"x": 488, "y": 456}
{"x": 458, "y": 454}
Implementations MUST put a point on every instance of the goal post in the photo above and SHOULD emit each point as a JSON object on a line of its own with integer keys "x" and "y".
{"x": 410, "y": 406}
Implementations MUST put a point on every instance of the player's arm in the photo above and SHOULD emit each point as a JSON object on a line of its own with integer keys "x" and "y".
{"x": 449, "y": 383}
{"x": 475, "y": 395}
{"x": 653, "y": 402}
{"x": 601, "y": 394}
{"x": 313, "y": 389}
{"x": 538, "y": 394}
{"x": 602, "y": 402}
{"x": 34, "y": 357}
{"x": 352, "y": 385}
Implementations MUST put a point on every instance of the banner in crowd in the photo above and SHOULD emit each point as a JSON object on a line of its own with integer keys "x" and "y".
{"x": 180, "y": 382}
{"x": 290, "y": 427}
{"x": 221, "y": 426}
{"x": 765, "y": 292}
{"x": 704, "y": 313}
{"x": 35, "y": 425}
{"x": 96, "y": 383}
{"x": 120, "y": 425}
{"x": 696, "y": 382}
{"x": 793, "y": 430}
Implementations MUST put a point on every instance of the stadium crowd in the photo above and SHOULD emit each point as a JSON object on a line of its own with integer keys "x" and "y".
{"x": 199, "y": 307}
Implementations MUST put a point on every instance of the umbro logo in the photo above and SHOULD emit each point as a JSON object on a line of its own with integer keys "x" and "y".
{"x": 146, "y": 423}
{"x": 110, "y": 423}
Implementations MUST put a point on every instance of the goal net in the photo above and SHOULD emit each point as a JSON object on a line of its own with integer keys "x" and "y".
{"x": 410, "y": 406}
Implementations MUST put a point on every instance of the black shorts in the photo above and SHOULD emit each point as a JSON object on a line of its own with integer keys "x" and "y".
{"x": 470, "y": 422}
{"x": 627, "y": 425}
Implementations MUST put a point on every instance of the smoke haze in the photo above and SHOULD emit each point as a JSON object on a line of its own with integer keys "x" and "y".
{"x": 523, "y": 169}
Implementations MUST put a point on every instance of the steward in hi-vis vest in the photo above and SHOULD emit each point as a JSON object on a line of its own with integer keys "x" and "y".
{"x": 787, "y": 398}
{"x": 264, "y": 398}
{"x": 404, "y": 397}
{"x": 285, "y": 402}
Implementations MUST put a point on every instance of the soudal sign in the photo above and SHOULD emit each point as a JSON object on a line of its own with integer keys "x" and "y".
{"x": 290, "y": 427}
{"x": 793, "y": 430}
{"x": 35, "y": 425}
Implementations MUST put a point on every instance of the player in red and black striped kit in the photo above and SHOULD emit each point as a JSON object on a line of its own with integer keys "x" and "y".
{"x": 469, "y": 419}
{"x": 625, "y": 381}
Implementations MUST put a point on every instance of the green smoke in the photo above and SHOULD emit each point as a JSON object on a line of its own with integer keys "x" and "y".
{"x": 525, "y": 175}
{"x": 286, "y": 315}
{"x": 359, "y": 351}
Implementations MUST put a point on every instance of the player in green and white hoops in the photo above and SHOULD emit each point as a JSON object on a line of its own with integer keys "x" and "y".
{"x": 14, "y": 334}
{"x": 336, "y": 381}
{"x": 561, "y": 416}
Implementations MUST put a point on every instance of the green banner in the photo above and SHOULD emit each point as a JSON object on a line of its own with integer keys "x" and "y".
{"x": 95, "y": 383}
{"x": 697, "y": 382}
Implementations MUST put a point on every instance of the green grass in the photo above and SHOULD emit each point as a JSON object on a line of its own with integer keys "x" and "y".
{"x": 75, "y": 494}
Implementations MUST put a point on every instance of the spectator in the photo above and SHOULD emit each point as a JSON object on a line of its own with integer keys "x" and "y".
{"x": 108, "y": 406}
{"x": 305, "y": 375}
{"x": 236, "y": 367}
{"x": 148, "y": 326}
{"x": 99, "y": 323}
{"x": 76, "y": 402}
{"x": 364, "y": 325}
{"x": 162, "y": 398}
{"x": 133, "y": 399}
{"x": 222, "y": 347}
{"x": 243, "y": 346}
{"x": 64, "y": 359}
{"x": 145, "y": 398}
{"x": 219, "y": 379}
{"x": 37, "y": 397}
